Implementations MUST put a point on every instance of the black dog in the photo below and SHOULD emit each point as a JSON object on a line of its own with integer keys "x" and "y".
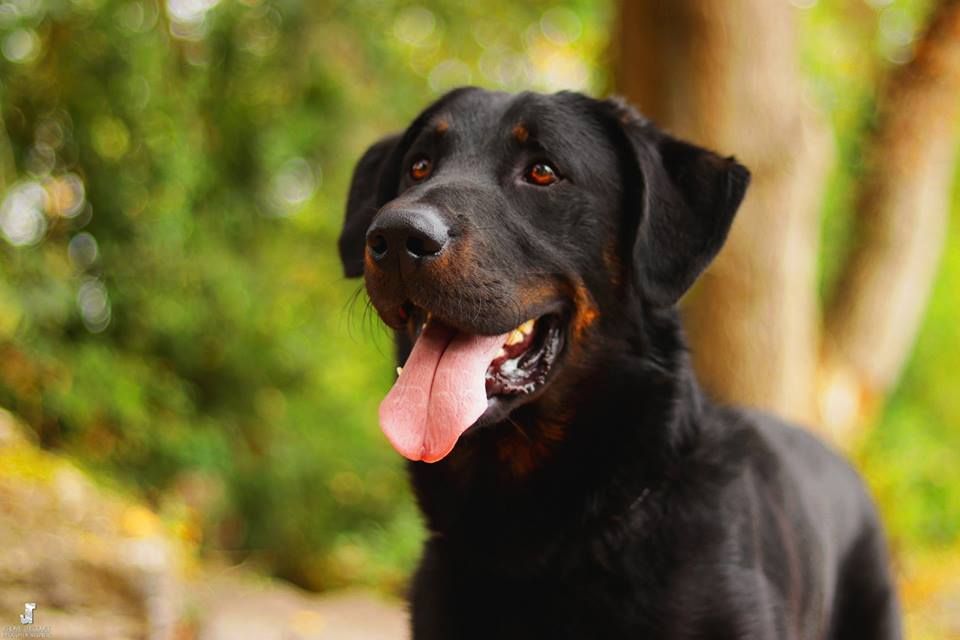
{"x": 529, "y": 251}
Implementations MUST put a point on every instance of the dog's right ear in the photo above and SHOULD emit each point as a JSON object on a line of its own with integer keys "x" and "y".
{"x": 686, "y": 198}
{"x": 362, "y": 203}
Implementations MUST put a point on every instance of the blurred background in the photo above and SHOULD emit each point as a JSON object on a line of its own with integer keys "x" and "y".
{"x": 188, "y": 387}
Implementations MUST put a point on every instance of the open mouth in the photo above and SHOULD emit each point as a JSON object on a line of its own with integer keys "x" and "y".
{"x": 522, "y": 364}
{"x": 524, "y": 361}
{"x": 454, "y": 379}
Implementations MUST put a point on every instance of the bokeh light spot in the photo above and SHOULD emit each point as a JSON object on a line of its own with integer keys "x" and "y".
{"x": 65, "y": 195}
{"x": 41, "y": 159}
{"x": 21, "y": 46}
{"x": 449, "y": 74}
{"x": 137, "y": 17}
{"x": 83, "y": 250}
{"x": 50, "y": 132}
{"x": 556, "y": 69}
{"x": 21, "y": 214}
{"x": 8, "y": 14}
{"x": 488, "y": 33}
{"x": 503, "y": 66}
{"x": 561, "y": 26}
{"x": 188, "y": 18}
{"x": 111, "y": 138}
{"x": 94, "y": 305}
{"x": 293, "y": 185}
{"x": 191, "y": 11}
{"x": 414, "y": 25}
{"x": 897, "y": 30}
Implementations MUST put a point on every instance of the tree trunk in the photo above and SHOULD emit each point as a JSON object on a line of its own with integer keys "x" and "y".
{"x": 902, "y": 209}
{"x": 705, "y": 70}
{"x": 724, "y": 74}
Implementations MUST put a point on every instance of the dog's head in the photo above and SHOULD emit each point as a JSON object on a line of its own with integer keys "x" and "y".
{"x": 508, "y": 238}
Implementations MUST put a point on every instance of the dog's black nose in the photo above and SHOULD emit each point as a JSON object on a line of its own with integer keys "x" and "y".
{"x": 412, "y": 234}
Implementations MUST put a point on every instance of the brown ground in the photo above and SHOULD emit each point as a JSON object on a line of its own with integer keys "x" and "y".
{"x": 234, "y": 605}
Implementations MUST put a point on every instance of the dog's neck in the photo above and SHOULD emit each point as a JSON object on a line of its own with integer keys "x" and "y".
{"x": 633, "y": 408}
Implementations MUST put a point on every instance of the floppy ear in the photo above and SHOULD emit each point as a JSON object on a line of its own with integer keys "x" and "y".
{"x": 362, "y": 204}
{"x": 688, "y": 201}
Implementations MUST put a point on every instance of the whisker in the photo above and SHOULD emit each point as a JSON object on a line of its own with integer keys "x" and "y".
{"x": 349, "y": 309}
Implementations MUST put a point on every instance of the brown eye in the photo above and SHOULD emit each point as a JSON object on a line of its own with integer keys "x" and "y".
{"x": 420, "y": 169}
{"x": 541, "y": 174}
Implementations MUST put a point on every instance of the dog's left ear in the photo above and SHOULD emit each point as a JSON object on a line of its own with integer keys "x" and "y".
{"x": 362, "y": 204}
{"x": 688, "y": 201}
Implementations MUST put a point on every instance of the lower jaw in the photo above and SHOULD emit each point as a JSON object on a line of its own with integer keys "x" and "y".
{"x": 498, "y": 409}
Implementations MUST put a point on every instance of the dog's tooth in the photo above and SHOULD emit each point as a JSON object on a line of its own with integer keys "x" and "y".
{"x": 399, "y": 370}
{"x": 527, "y": 327}
{"x": 501, "y": 354}
{"x": 515, "y": 337}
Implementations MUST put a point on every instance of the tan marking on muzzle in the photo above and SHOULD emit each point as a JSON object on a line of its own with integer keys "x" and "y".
{"x": 368, "y": 262}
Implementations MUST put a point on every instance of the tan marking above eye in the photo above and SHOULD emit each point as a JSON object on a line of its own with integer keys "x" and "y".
{"x": 521, "y": 133}
{"x": 420, "y": 168}
{"x": 541, "y": 174}
{"x": 442, "y": 125}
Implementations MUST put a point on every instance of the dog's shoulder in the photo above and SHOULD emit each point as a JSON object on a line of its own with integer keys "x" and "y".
{"x": 798, "y": 450}
{"x": 790, "y": 472}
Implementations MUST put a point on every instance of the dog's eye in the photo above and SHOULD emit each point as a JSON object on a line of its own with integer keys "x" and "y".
{"x": 420, "y": 168}
{"x": 541, "y": 174}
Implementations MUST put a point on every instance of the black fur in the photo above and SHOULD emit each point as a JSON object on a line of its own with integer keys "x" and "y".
{"x": 618, "y": 501}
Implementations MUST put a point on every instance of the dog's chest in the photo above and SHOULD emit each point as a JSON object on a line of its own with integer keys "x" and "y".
{"x": 588, "y": 589}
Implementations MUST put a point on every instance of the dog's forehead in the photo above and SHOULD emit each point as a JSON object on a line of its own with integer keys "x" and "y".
{"x": 469, "y": 110}
{"x": 558, "y": 122}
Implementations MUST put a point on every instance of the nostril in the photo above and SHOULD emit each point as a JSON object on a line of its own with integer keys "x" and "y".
{"x": 378, "y": 245}
{"x": 407, "y": 236}
{"x": 422, "y": 246}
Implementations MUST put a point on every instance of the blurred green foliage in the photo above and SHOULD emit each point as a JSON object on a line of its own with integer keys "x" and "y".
{"x": 911, "y": 457}
{"x": 171, "y": 306}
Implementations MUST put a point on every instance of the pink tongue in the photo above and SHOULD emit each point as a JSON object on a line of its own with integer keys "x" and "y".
{"x": 440, "y": 393}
